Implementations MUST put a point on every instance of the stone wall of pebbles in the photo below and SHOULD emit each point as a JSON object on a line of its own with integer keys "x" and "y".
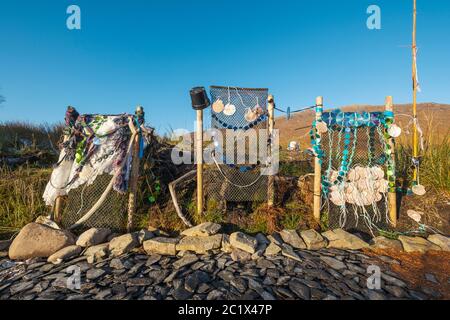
{"x": 201, "y": 263}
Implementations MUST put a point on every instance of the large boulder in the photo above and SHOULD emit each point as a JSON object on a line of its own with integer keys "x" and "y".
{"x": 202, "y": 230}
{"x": 417, "y": 244}
{"x": 65, "y": 254}
{"x": 161, "y": 245}
{"x": 244, "y": 242}
{"x": 123, "y": 244}
{"x": 200, "y": 245}
{"x": 385, "y": 243}
{"x": 340, "y": 239}
{"x": 39, "y": 241}
{"x": 93, "y": 237}
{"x": 292, "y": 238}
{"x": 313, "y": 239}
{"x": 441, "y": 241}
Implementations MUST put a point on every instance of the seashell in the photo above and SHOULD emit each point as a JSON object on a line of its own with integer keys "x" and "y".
{"x": 353, "y": 175}
{"x": 218, "y": 106}
{"x": 321, "y": 127}
{"x": 229, "y": 110}
{"x": 337, "y": 198}
{"x": 258, "y": 110}
{"x": 383, "y": 186}
{"x": 250, "y": 115}
{"x": 415, "y": 215}
{"x": 394, "y": 131}
{"x": 378, "y": 197}
{"x": 419, "y": 190}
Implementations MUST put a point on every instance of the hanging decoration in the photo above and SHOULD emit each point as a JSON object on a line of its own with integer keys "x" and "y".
{"x": 356, "y": 188}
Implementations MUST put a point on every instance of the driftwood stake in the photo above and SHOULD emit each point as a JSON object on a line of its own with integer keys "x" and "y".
{"x": 392, "y": 196}
{"x": 199, "y": 154}
{"x": 271, "y": 183}
{"x": 317, "y": 174}
{"x": 134, "y": 176}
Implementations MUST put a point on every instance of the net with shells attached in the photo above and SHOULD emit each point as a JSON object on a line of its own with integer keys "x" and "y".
{"x": 239, "y": 120}
{"x": 357, "y": 170}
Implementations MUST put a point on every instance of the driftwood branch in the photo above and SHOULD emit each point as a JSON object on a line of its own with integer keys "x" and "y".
{"x": 173, "y": 194}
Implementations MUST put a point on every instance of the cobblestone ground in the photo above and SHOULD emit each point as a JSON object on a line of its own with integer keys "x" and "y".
{"x": 316, "y": 275}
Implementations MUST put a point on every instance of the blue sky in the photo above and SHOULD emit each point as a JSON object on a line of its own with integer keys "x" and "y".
{"x": 152, "y": 52}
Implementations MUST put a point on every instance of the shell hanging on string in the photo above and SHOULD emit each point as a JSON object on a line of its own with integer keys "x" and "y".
{"x": 218, "y": 106}
{"x": 394, "y": 131}
{"x": 250, "y": 115}
{"x": 229, "y": 110}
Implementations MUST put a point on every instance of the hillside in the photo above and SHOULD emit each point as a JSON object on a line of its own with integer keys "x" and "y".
{"x": 430, "y": 114}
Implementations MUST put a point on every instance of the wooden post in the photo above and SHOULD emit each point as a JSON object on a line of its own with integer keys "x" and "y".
{"x": 317, "y": 173}
{"x": 392, "y": 196}
{"x": 199, "y": 146}
{"x": 57, "y": 209}
{"x": 415, "y": 84}
{"x": 271, "y": 125}
{"x": 134, "y": 177}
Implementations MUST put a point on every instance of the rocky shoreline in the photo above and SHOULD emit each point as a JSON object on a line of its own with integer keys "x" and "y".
{"x": 203, "y": 264}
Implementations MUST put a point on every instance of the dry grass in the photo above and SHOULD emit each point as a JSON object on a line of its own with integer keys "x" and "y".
{"x": 21, "y": 189}
{"x": 18, "y": 138}
{"x": 21, "y": 197}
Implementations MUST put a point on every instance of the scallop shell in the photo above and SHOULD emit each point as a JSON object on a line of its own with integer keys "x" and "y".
{"x": 218, "y": 106}
{"x": 321, "y": 127}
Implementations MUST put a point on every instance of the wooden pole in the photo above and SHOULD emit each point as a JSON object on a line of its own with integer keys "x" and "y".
{"x": 271, "y": 126}
{"x": 199, "y": 145}
{"x": 414, "y": 78}
{"x": 134, "y": 177}
{"x": 57, "y": 210}
{"x": 392, "y": 196}
{"x": 317, "y": 173}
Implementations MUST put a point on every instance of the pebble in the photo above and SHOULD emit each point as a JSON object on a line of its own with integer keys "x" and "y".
{"x": 325, "y": 274}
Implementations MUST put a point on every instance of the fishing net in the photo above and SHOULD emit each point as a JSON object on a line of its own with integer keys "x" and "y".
{"x": 93, "y": 171}
{"x": 240, "y": 115}
{"x": 356, "y": 171}
{"x": 111, "y": 214}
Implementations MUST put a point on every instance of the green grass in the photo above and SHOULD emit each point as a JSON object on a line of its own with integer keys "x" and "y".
{"x": 435, "y": 165}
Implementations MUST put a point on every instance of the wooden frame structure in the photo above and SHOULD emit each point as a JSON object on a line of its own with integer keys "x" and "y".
{"x": 134, "y": 149}
{"x": 392, "y": 196}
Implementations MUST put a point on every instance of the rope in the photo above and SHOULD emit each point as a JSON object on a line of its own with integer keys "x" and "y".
{"x": 295, "y": 111}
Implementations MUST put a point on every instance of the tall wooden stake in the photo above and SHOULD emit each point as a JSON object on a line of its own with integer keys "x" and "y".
{"x": 271, "y": 126}
{"x": 415, "y": 84}
{"x": 199, "y": 152}
{"x": 317, "y": 175}
{"x": 134, "y": 177}
{"x": 57, "y": 210}
{"x": 392, "y": 196}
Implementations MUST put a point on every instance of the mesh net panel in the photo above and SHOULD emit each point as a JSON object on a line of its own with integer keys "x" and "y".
{"x": 243, "y": 181}
{"x": 333, "y": 145}
{"x": 111, "y": 214}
